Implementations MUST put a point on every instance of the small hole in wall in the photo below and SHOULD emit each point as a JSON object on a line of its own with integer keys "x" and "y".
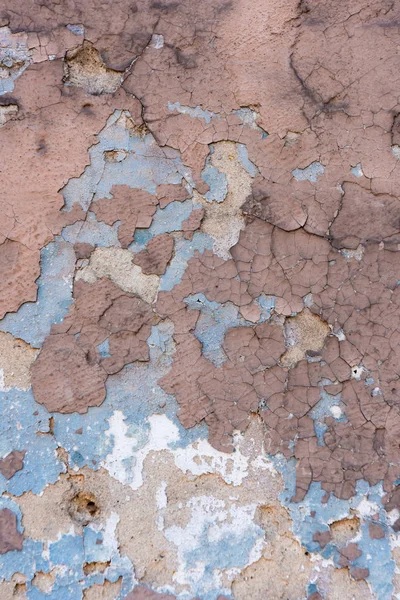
{"x": 83, "y": 508}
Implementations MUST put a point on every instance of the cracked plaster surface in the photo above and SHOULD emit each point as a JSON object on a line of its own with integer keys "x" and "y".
{"x": 199, "y": 335}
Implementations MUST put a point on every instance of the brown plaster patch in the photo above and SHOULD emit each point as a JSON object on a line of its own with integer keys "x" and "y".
{"x": 134, "y": 208}
{"x": 69, "y": 374}
{"x": 10, "y": 537}
{"x": 12, "y": 463}
{"x": 141, "y": 592}
{"x": 156, "y": 256}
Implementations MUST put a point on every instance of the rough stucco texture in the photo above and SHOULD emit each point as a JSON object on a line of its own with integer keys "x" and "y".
{"x": 200, "y": 300}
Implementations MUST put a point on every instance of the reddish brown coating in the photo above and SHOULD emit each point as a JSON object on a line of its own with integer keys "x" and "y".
{"x": 193, "y": 222}
{"x": 10, "y": 537}
{"x": 156, "y": 256}
{"x": 13, "y": 462}
{"x": 142, "y": 592}
{"x": 275, "y": 205}
{"x": 315, "y": 596}
{"x": 69, "y": 374}
{"x": 358, "y": 573}
{"x": 376, "y": 531}
{"x": 322, "y": 537}
{"x": 134, "y": 208}
{"x": 83, "y": 250}
{"x": 168, "y": 192}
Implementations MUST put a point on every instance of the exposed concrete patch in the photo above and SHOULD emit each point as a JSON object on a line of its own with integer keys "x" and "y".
{"x": 7, "y": 113}
{"x": 84, "y": 68}
{"x": 271, "y": 573}
{"x": 15, "y": 57}
{"x": 116, "y": 264}
{"x": 105, "y": 591}
{"x": 224, "y": 220}
{"x": 342, "y": 587}
{"x": 35, "y": 511}
{"x": 304, "y": 333}
{"x": 16, "y": 357}
{"x": 344, "y": 531}
{"x": 43, "y": 582}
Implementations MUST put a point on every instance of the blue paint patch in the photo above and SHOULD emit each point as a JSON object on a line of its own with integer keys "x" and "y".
{"x": 216, "y": 180}
{"x": 216, "y": 319}
{"x": 33, "y": 320}
{"x": 377, "y": 558}
{"x": 249, "y": 118}
{"x": 267, "y": 305}
{"x": 212, "y": 325}
{"x": 69, "y": 547}
{"x": 310, "y": 173}
{"x": 145, "y": 166}
{"x": 357, "y": 171}
{"x": 24, "y": 562}
{"x": 95, "y": 549}
{"x": 323, "y": 409}
{"x": 244, "y": 160}
{"x": 184, "y": 250}
{"x": 170, "y": 218}
{"x": 91, "y": 231}
{"x": 195, "y": 113}
{"x": 76, "y": 29}
{"x": 104, "y": 349}
{"x": 25, "y": 425}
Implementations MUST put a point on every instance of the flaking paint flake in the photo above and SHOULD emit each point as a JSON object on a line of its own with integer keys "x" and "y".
{"x": 200, "y": 301}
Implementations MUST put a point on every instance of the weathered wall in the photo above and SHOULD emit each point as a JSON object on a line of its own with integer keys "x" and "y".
{"x": 200, "y": 300}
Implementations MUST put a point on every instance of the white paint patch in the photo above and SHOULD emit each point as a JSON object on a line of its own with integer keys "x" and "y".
{"x": 125, "y": 462}
{"x": 201, "y": 458}
{"x": 396, "y": 151}
{"x": 392, "y": 516}
{"x": 336, "y": 411}
{"x": 213, "y": 520}
{"x": 340, "y": 335}
{"x": 367, "y": 508}
{"x": 162, "y": 433}
{"x": 3, "y": 387}
{"x": 356, "y": 372}
{"x": 157, "y": 41}
{"x": 123, "y": 447}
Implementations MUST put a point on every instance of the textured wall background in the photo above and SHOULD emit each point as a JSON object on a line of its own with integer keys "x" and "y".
{"x": 200, "y": 300}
